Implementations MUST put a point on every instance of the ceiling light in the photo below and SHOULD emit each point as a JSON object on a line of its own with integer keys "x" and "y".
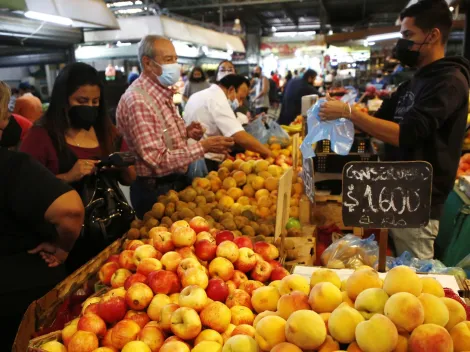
{"x": 273, "y": 29}
{"x": 122, "y": 3}
{"x": 386, "y": 36}
{"x": 237, "y": 27}
{"x": 330, "y": 32}
{"x": 451, "y": 9}
{"x": 138, "y": 2}
{"x": 129, "y": 11}
{"x": 371, "y": 43}
{"x": 123, "y": 44}
{"x": 48, "y": 18}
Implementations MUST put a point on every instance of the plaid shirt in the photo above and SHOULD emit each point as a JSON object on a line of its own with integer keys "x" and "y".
{"x": 143, "y": 131}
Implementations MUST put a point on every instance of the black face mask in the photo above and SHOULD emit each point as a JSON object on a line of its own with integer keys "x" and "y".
{"x": 256, "y": 75}
{"x": 403, "y": 53}
{"x": 83, "y": 116}
{"x": 11, "y": 134}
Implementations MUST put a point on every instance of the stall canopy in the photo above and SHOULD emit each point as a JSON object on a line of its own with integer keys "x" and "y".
{"x": 135, "y": 28}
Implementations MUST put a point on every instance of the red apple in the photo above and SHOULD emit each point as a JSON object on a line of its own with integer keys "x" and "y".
{"x": 266, "y": 250}
{"x": 141, "y": 318}
{"x": 148, "y": 265}
{"x": 92, "y": 323}
{"x": 221, "y": 267}
{"x": 132, "y": 245}
{"x": 246, "y": 260}
{"x": 113, "y": 258}
{"x": 205, "y": 250}
{"x": 133, "y": 279}
{"x": 112, "y": 308}
{"x": 250, "y": 285}
{"x": 278, "y": 273}
{"x": 162, "y": 241}
{"x": 223, "y": 235}
{"x": 107, "y": 271}
{"x": 243, "y": 241}
{"x": 204, "y": 236}
{"x": 91, "y": 308}
{"x": 183, "y": 237}
{"x": 231, "y": 286}
{"x": 139, "y": 296}
{"x": 119, "y": 277}
{"x": 171, "y": 260}
{"x": 106, "y": 341}
{"x": 199, "y": 224}
{"x": 123, "y": 332}
{"x": 239, "y": 277}
{"x": 162, "y": 281}
{"x": 217, "y": 290}
{"x": 83, "y": 341}
{"x": 126, "y": 260}
{"x": 262, "y": 271}
{"x": 153, "y": 337}
{"x": 186, "y": 252}
{"x": 144, "y": 252}
{"x": 274, "y": 263}
{"x": 238, "y": 298}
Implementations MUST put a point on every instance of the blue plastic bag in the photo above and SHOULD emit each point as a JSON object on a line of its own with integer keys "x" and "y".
{"x": 339, "y": 132}
{"x": 197, "y": 168}
{"x": 277, "y": 134}
{"x": 258, "y": 130}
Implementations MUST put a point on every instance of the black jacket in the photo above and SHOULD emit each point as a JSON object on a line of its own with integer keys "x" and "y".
{"x": 292, "y": 100}
{"x": 432, "y": 109}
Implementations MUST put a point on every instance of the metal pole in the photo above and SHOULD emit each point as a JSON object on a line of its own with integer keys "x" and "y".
{"x": 221, "y": 18}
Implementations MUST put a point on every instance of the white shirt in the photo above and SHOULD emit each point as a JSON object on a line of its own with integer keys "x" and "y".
{"x": 211, "y": 109}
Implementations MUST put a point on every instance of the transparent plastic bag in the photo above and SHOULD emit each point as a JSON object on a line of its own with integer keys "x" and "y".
{"x": 277, "y": 134}
{"x": 465, "y": 264}
{"x": 351, "y": 252}
{"x": 351, "y": 96}
{"x": 197, "y": 168}
{"x": 258, "y": 130}
{"x": 339, "y": 132}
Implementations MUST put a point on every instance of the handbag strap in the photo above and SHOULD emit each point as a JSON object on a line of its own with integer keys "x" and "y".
{"x": 161, "y": 119}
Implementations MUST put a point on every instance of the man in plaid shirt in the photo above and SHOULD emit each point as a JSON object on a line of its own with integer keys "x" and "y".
{"x": 154, "y": 130}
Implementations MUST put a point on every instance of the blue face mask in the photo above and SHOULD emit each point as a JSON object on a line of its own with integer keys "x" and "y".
{"x": 170, "y": 74}
{"x": 234, "y": 104}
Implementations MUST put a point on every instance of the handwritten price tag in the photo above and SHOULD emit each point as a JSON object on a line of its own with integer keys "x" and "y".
{"x": 307, "y": 179}
{"x": 387, "y": 194}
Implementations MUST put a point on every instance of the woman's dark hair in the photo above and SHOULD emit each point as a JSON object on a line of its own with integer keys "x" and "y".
{"x": 197, "y": 69}
{"x": 55, "y": 120}
{"x": 289, "y": 75}
{"x": 234, "y": 81}
{"x": 223, "y": 62}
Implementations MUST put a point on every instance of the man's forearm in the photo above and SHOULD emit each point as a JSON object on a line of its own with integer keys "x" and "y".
{"x": 247, "y": 141}
{"x": 386, "y": 131}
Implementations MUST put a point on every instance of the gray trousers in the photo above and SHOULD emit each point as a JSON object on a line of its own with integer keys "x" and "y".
{"x": 419, "y": 242}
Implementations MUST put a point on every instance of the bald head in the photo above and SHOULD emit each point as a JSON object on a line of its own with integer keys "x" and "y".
{"x": 154, "y": 51}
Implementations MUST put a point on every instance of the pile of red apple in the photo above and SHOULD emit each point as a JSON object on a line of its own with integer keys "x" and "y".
{"x": 166, "y": 289}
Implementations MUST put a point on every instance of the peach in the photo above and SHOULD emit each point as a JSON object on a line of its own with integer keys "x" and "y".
{"x": 260, "y": 316}
{"x": 209, "y": 335}
{"x": 270, "y": 331}
{"x": 136, "y": 346}
{"x": 325, "y": 275}
{"x": 244, "y": 329}
{"x": 241, "y": 315}
{"x": 435, "y": 311}
{"x": 207, "y": 346}
{"x": 53, "y": 346}
{"x": 325, "y": 297}
{"x": 361, "y": 280}
{"x": 402, "y": 279}
{"x": 294, "y": 282}
{"x": 174, "y": 346}
{"x": 216, "y": 316}
{"x": 305, "y": 329}
{"x": 330, "y": 345}
{"x": 457, "y": 312}
{"x": 460, "y": 334}
{"x": 354, "y": 347}
{"x": 405, "y": 310}
{"x": 285, "y": 347}
{"x": 265, "y": 298}
{"x": 343, "y": 322}
{"x": 346, "y": 299}
{"x": 292, "y": 302}
{"x": 371, "y": 301}
{"x": 430, "y": 337}
{"x": 325, "y": 317}
{"x": 402, "y": 343}
{"x": 432, "y": 286}
{"x": 377, "y": 334}
{"x": 240, "y": 343}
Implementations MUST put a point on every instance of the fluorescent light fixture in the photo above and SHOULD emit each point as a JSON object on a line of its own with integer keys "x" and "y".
{"x": 49, "y": 18}
{"x": 129, "y": 11}
{"x": 121, "y": 4}
{"x": 138, "y": 2}
{"x": 295, "y": 34}
{"x": 386, "y": 36}
{"x": 273, "y": 29}
{"x": 123, "y": 44}
{"x": 371, "y": 43}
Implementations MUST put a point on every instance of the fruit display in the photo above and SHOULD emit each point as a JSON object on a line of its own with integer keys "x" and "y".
{"x": 240, "y": 197}
{"x": 464, "y": 166}
{"x": 184, "y": 289}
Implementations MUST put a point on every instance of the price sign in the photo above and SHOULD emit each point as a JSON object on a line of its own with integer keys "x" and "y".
{"x": 307, "y": 178}
{"x": 387, "y": 194}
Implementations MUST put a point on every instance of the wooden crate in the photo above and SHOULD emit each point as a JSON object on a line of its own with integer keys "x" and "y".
{"x": 42, "y": 312}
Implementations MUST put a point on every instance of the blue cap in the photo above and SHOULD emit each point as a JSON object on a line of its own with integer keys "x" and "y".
{"x": 24, "y": 86}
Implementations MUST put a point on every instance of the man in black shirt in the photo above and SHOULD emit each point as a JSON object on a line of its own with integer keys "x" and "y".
{"x": 41, "y": 215}
{"x": 293, "y": 93}
{"x": 425, "y": 119}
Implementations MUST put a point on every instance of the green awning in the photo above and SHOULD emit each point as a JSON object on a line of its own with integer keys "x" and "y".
{"x": 13, "y": 5}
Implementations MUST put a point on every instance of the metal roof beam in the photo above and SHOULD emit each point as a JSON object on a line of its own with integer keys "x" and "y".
{"x": 228, "y": 4}
{"x": 290, "y": 14}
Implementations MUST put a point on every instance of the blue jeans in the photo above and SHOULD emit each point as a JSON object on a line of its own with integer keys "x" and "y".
{"x": 145, "y": 195}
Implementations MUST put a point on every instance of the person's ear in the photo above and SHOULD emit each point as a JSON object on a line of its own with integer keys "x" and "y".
{"x": 434, "y": 36}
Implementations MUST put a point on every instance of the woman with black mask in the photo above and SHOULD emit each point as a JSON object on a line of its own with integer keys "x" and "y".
{"x": 197, "y": 82}
{"x": 73, "y": 135}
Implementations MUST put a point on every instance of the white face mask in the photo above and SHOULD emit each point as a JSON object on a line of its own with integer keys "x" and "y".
{"x": 170, "y": 74}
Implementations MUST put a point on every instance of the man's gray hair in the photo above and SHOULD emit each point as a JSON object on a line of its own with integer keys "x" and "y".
{"x": 146, "y": 47}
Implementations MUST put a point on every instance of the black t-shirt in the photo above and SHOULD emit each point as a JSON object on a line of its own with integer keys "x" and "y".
{"x": 431, "y": 110}
{"x": 27, "y": 190}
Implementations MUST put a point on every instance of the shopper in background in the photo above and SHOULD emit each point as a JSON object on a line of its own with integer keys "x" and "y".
{"x": 196, "y": 83}
{"x": 27, "y": 104}
{"x": 38, "y": 214}
{"x": 225, "y": 68}
{"x": 213, "y": 109}
{"x": 154, "y": 130}
{"x": 425, "y": 119}
{"x": 71, "y": 137}
{"x": 15, "y": 93}
{"x": 379, "y": 81}
{"x": 275, "y": 78}
{"x": 261, "y": 90}
{"x": 292, "y": 99}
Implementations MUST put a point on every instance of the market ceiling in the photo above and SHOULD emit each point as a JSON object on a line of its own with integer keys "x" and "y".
{"x": 271, "y": 16}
